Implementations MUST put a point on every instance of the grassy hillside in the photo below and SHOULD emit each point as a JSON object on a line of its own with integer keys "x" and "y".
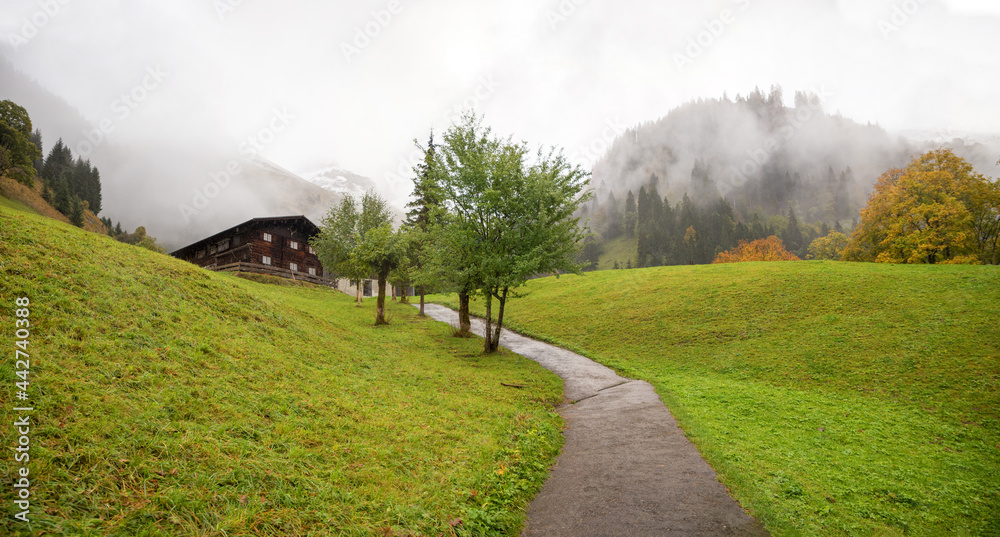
{"x": 30, "y": 198}
{"x": 832, "y": 398}
{"x": 171, "y": 400}
{"x": 621, "y": 250}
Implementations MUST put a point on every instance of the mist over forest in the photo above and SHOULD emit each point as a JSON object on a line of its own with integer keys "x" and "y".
{"x": 720, "y": 165}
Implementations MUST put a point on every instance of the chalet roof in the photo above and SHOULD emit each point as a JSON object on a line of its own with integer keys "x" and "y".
{"x": 300, "y": 220}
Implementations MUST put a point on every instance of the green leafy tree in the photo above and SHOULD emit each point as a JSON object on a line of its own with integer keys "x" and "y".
{"x": 513, "y": 219}
{"x": 356, "y": 240}
{"x": 381, "y": 250}
{"x": 19, "y": 153}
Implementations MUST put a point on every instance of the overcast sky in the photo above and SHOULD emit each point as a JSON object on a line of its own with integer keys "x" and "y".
{"x": 353, "y": 83}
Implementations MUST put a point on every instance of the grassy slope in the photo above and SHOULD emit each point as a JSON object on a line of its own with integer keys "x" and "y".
{"x": 31, "y": 199}
{"x": 169, "y": 399}
{"x": 621, "y": 250}
{"x": 832, "y": 398}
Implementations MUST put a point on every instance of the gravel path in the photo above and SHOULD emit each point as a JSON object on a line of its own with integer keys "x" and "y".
{"x": 626, "y": 468}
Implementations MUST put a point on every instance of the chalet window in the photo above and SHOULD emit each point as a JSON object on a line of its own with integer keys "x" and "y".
{"x": 267, "y": 237}
{"x": 311, "y": 250}
{"x": 211, "y": 249}
{"x": 200, "y": 254}
{"x": 294, "y": 267}
{"x": 265, "y": 259}
{"x": 294, "y": 245}
{"x": 312, "y": 271}
{"x": 223, "y": 245}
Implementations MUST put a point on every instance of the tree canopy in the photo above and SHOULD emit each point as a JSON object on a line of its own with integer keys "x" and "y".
{"x": 936, "y": 210}
{"x": 506, "y": 217}
{"x": 830, "y": 247}
{"x": 17, "y": 151}
{"x": 769, "y": 249}
{"x": 357, "y": 240}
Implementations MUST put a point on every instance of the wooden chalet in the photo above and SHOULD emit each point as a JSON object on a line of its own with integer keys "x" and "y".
{"x": 278, "y": 246}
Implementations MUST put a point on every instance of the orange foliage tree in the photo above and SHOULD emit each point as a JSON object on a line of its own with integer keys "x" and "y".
{"x": 769, "y": 249}
{"x": 936, "y": 210}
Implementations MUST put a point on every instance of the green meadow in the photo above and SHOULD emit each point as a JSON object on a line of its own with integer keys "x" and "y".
{"x": 831, "y": 398}
{"x": 172, "y": 400}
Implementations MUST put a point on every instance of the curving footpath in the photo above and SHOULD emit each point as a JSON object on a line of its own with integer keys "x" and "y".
{"x": 626, "y": 468}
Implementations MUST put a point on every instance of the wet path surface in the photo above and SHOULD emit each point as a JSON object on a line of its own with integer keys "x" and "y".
{"x": 626, "y": 468}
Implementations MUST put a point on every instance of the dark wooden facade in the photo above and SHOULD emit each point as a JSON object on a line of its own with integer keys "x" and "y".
{"x": 277, "y": 246}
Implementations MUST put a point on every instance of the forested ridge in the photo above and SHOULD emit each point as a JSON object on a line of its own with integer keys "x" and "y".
{"x": 713, "y": 172}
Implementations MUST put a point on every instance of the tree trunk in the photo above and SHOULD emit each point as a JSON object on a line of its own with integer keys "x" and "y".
{"x": 380, "y": 302}
{"x": 359, "y": 284}
{"x": 393, "y": 287}
{"x": 464, "y": 323}
{"x": 496, "y": 338}
{"x": 422, "y": 301}
{"x": 402, "y": 295}
{"x": 488, "y": 334}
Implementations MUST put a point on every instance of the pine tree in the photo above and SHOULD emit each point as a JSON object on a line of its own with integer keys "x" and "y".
{"x": 95, "y": 191}
{"x": 36, "y": 138}
{"x": 631, "y": 213}
{"x": 76, "y": 212}
{"x": 426, "y": 191}
{"x": 63, "y": 197}
{"x": 792, "y": 237}
{"x": 59, "y": 162}
{"x": 643, "y": 228}
{"x": 614, "y": 218}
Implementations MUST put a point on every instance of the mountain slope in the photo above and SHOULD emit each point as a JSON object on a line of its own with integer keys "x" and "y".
{"x": 831, "y": 398}
{"x": 172, "y": 400}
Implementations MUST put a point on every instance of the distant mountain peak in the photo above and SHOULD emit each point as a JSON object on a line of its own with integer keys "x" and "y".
{"x": 338, "y": 180}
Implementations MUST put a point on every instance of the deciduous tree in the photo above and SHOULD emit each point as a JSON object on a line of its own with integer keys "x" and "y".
{"x": 829, "y": 247}
{"x": 769, "y": 249}
{"x": 357, "y": 242}
{"x": 936, "y": 210}
{"x": 508, "y": 219}
{"x": 15, "y": 139}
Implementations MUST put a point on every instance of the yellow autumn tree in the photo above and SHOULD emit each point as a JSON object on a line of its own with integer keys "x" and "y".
{"x": 936, "y": 210}
{"x": 830, "y": 247}
{"x": 769, "y": 249}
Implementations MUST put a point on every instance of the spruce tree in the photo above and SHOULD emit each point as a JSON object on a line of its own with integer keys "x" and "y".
{"x": 630, "y": 215}
{"x": 63, "y": 196}
{"x": 36, "y": 138}
{"x": 793, "y": 234}
{"x": 427, "y": 198}
{"x": 76, "y": 212}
